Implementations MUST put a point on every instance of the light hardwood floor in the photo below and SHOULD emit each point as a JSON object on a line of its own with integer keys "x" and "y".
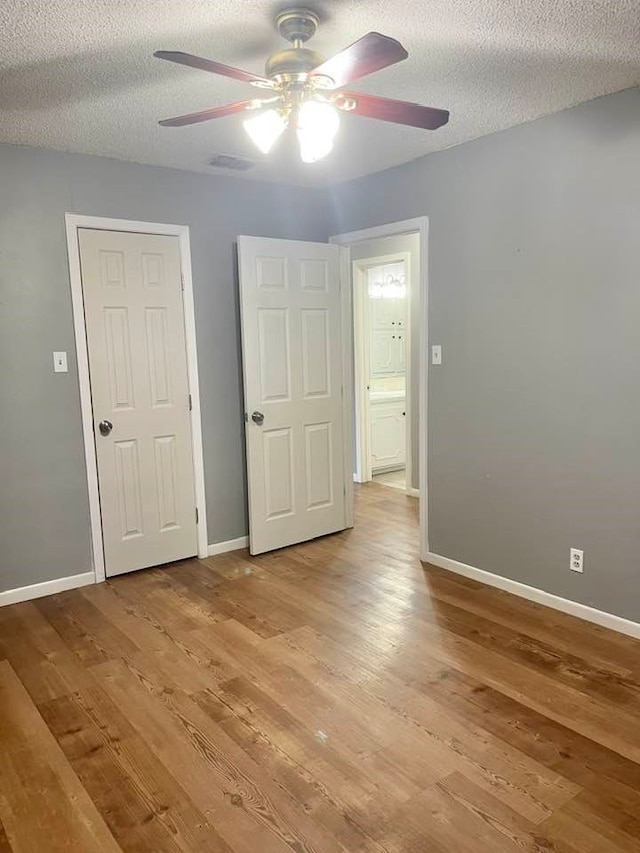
{"x": 336, "y": 696}
{"x": 394, "y": 479}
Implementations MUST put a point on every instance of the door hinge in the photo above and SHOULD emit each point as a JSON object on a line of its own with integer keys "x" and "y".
{"x": 182, "y": 280}
{"x": 197, "y": 516}
{"x": 190, "y": 403}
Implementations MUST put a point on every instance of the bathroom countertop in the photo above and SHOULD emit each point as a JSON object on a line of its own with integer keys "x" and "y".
{"x": 386, "y": 396}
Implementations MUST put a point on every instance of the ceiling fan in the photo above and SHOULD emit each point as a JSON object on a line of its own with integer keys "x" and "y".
{"x": 305, "y": 92}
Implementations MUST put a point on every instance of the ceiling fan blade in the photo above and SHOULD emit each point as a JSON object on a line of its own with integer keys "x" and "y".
{"x": 211, "y": 66}
{"x": 398, "y": 112}
{"x": 370, "y": 53}
{"x": 206, "y": 115}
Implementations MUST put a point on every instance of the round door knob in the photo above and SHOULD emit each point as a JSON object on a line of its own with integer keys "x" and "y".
{"x": 105, "y": 427}
{"x": 257, "y": 418}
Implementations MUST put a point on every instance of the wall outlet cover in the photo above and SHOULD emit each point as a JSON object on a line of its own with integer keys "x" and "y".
{"x": 576, "y": 560}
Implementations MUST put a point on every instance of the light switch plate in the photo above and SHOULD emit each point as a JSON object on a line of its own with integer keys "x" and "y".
{"x": 59, "y": 362}
{"x": 436, "y": 354}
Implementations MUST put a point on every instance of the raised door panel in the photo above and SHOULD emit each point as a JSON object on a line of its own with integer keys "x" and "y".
{"x": 112, "y": 269}
{"x": 314, "y": 275}
{"x": 318, "y": 465}
{"x": 157, "y": 335}
{"x": 279, "y": 484}
{"x": 117, "y": 354}
{"x": 271, "y": 273}
{"x": 128, "y": 488}
{"x": 153, "y": 269}
{"x": 274, "y": 352}
{"x": 316, "y": 365}
{"x": 167, "y": 482}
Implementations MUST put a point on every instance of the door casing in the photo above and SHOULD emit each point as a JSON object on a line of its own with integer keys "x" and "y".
{"x": 73, "y": 223}
{"x": 419, "y": 225}
{"x": 362, "y": 415}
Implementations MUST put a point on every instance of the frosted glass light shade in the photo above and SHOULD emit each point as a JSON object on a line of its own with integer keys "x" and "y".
{"x": 318, "y": 123}
{"x": 265, "y": 129}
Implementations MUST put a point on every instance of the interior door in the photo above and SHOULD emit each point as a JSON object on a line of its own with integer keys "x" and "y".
{"x": 132, "y": 290}
{"x": 292, "y": 340}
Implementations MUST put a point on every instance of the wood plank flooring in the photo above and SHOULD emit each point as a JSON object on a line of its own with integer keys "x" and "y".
{"x": 335, "y": 696}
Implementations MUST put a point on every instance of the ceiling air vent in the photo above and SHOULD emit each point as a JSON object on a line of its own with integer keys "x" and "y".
{"x": 231, "y": 161}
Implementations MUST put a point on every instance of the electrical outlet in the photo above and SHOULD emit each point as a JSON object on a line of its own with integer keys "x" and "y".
{"x": 576, "y": 560}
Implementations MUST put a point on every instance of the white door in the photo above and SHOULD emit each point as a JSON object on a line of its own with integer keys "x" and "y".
{"x": 132, "y": 290}
{"x": 292, "y": 340}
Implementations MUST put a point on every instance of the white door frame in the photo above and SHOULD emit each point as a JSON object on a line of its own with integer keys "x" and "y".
{"x": 420, "y": 226}
{"x": 73, "y": 223}
{"x": 347, "y": 380}
{"x": 362, "y": 358}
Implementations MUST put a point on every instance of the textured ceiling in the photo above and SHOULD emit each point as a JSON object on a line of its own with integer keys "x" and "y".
{"x": 79, "y": 75}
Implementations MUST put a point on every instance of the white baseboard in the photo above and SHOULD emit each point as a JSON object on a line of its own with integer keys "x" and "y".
{"x": 229, "y": 545}
{"x": 37, "y": 590}
{"x": 414, "y": 493}
{"x": 532, "y": 593}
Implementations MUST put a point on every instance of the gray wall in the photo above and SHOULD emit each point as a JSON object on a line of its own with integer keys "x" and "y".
{"x": 387, "y": 246}
{"x": 44, "y": 519}
{"x": 534, "y": 415}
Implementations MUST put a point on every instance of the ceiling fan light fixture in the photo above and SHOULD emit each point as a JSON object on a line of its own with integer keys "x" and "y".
{"x": 318, "y": 123}
{"x": 307, "y": 90}
{"x": 265, "y": 129}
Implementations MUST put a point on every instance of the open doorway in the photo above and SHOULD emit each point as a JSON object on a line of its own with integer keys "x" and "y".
{"x": 386, "y": 282}
{"x": 382, "y": 361}
{"x": 296, "y": 297}
{"x": 380, "y": 241}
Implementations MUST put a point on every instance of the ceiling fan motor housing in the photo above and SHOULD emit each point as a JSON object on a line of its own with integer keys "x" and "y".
{"x": 297, "y": 26}
{"x": 298, "y": 60}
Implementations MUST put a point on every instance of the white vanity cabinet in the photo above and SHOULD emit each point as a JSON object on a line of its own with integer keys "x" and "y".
{"x": 388, "y": 337}
{"x": 388, "y": 313}
{"x": 388, "y": 432}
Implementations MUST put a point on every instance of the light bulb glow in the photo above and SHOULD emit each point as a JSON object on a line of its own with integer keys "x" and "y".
{"x": 318, "y": 123}
{"x": 387, "y": 291}
{"x": 265, "y": 129}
